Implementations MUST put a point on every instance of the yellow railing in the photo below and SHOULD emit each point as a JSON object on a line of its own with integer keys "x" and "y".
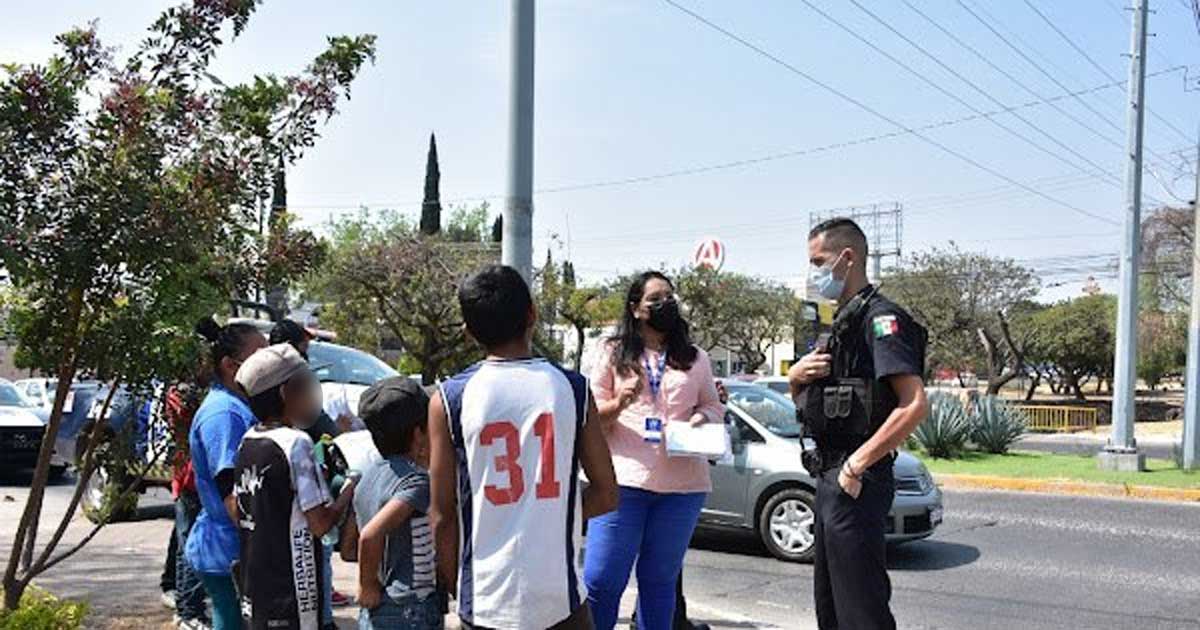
{"x": 1058, "y": 418}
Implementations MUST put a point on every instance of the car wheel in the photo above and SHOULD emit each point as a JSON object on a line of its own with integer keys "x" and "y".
{"x": 58, "y": 472}
{"x": 786, "y": 525}
{"x": 99, "y": 493}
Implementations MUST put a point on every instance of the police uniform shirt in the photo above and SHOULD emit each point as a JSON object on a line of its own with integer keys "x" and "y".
{"x": 895, "y": 340}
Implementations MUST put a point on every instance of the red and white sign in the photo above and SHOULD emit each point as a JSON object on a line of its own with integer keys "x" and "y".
{"x": 710, "y": 253}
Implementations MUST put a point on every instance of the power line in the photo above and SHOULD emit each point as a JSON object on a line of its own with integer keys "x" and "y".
{"x": 1108, "y": 75}
{"x": 1112, "y": 179}
{"x": 1103, "y": 118}
{"x": 863, "y": 106}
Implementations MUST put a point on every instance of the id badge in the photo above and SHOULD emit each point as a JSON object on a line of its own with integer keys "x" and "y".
{"x": 654, "y": 431}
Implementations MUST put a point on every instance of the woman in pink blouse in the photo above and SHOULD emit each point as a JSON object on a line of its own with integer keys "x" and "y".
{"x": 652, "y": 376}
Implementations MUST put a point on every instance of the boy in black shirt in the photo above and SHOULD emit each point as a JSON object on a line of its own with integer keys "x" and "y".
{"x": 282, "y": 504}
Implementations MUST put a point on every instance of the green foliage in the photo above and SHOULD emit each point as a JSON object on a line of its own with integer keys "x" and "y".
{"x": 40, "y": 610}
{"x": 469, "y": 225}
{"x": 389, "y": 280}
{"x": 996, "y": 424}
{"x": 583, "y": 307}
{"x": 743, "y": 313}
{"x": 945, "y": 432}
{"x": 128, "y": 194}
{"x": 1076, "y": 339}
{"x": 1162, "y": 345}
{"x": 955, "y": 295}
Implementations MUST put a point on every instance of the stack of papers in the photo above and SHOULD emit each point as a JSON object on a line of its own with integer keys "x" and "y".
{"x": 709, "y": 440}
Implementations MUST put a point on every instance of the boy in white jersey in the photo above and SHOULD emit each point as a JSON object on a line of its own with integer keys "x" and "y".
{"x": 508, "y": 437}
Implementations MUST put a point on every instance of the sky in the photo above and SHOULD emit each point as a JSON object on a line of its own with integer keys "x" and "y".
{"x": 654, "y": 129}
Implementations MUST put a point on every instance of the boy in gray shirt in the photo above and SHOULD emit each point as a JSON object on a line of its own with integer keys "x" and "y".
{"x": 397, "y": 587}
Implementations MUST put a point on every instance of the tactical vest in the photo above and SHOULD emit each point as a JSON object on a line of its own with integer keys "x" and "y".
{"x": 844, "y": 409}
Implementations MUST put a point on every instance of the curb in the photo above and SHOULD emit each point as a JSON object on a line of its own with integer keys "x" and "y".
{"x": 1081, "y": 488}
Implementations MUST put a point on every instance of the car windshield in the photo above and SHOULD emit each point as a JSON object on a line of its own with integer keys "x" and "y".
{"x": 773, "y": 410}
{"x": 10, "y": 397}
{"x": 339, "y": 364}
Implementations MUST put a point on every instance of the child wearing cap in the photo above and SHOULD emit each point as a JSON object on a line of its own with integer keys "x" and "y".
{"x": 397, "y": 587}
{"x": 280, "y": 502}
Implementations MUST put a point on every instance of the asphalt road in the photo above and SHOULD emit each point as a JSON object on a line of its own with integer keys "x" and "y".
{"x": 1000, "y": 560}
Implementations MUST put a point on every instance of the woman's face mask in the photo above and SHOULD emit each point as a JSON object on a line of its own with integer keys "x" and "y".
{"x": 664, "y": 315}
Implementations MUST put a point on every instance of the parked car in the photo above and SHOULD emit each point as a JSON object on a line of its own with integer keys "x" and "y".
{"x": 344, "y": 372}
{"x": 63, "y": 455}
{"x": 775, "y": 383}
{"x": 75, "y": 412}
{"x": 21, "y": 429}
{"x": 764, "y": 488}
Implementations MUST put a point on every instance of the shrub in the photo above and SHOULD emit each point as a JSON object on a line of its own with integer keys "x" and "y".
{"x": 40, "y": 610}
{"x": 944, "y": 433}
{"x": 996, "y": 425}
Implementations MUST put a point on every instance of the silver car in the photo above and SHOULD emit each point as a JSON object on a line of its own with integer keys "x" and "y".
{"x": 764, "y": 488}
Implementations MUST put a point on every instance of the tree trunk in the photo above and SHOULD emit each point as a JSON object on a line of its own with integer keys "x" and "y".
{"x": 14, "y": 587}
{"x": 579, "y": 332}
{"x": 1076, "y": 387}
{"x": 1033, "y": 385}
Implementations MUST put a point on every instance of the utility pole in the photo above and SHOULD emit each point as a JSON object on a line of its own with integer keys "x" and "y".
{"x": 1121, "y": 452}
{"x": 1191, "y": 404}
{"x": 516, "y": 246}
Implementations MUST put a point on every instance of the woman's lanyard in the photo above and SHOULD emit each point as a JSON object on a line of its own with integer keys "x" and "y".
{"x": 654, "y": 377}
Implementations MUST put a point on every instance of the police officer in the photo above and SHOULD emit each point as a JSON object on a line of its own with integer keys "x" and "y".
{"x": 860, "y": 395}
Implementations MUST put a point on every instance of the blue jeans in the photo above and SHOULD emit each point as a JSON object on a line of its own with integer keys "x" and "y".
{"x": 189, "y": 593}
{"x": 652, "y": 529}
{"x": 414, "y": 614}
{"x": 327, "y": 585}
{"x": 227, "y": 611}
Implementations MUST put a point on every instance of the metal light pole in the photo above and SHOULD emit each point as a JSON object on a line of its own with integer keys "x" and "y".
{"x": 1191, "y": 405}
{"x": 1121, "y": 452}
{"x": 516, "y": 246}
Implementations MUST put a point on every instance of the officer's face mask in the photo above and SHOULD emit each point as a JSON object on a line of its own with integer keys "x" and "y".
{"x": 827, "y": 285}
{"x": 664, "y": 315}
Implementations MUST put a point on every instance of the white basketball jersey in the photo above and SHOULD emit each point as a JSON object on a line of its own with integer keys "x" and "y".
{"x": 515, "y": 427}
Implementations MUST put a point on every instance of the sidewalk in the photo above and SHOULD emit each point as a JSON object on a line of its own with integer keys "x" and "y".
{"x": 345, "y": 578}
{"x": 1089, "y": 443}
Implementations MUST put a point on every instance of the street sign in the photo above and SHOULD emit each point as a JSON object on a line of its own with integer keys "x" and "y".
{"x": 709, "y": 253}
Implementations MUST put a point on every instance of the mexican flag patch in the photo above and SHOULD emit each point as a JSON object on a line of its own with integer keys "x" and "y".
{"x": 885, "y": 325}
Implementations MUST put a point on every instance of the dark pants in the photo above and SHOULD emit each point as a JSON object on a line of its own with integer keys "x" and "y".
{"x": 189, "y": 592}
{"x": 166, "y": 581}
{"x": 850, "y": 577}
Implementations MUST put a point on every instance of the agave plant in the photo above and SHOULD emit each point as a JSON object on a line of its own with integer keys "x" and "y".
{"x": 996, "y": 424}
{"x": 945, "y": 432}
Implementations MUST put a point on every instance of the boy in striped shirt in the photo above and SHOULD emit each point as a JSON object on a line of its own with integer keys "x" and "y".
{"x": 397, "y": 587}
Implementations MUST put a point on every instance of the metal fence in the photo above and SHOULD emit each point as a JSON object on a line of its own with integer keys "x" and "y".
{"x": 1059, "y": 419}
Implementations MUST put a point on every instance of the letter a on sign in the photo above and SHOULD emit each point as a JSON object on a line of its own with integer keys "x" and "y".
{"x": 709, "y": 253}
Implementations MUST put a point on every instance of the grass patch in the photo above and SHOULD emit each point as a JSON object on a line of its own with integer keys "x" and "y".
{"x": 1024, "y": 465}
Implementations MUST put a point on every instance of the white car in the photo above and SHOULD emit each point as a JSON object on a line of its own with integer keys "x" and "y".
{"x": 345, "y": 373}
{"x": 22, "y": 427}
{"x": 775, "y": 383}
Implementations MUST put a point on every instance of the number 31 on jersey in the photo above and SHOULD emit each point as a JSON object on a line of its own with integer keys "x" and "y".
{"x": 509, "y": 461}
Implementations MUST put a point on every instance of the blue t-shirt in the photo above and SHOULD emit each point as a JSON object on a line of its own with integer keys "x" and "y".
{"x": 220, "y": 423}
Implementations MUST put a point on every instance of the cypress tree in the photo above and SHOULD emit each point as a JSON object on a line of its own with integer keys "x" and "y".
{"x": 498, "y": 229}
{"x": 431, "y": 208}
